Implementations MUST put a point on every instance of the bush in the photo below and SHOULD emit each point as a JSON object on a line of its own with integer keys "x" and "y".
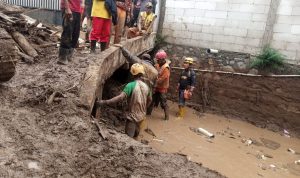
{"x": 268, "y": 60}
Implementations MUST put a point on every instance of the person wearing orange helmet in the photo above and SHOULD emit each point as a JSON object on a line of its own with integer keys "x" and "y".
{"x": 162, "y": 84}
{"x": 139, "y": 98}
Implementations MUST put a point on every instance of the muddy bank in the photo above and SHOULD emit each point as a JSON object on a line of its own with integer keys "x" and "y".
{"x": 59, "y": 140}
{"x": 267, "y": 102}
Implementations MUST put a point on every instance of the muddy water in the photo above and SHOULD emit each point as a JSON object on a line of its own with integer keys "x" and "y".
{"x": 226, "y": 153}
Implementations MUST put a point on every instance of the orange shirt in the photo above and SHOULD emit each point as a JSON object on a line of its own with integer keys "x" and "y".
{"x": 162, "y": 82}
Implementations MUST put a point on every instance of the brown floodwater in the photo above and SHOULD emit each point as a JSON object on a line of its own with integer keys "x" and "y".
{"x": 227, "y": 153}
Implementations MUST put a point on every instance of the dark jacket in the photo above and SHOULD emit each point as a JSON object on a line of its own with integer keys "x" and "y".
{"x": 112, "y": 9}
{"x": 187, "y": 78}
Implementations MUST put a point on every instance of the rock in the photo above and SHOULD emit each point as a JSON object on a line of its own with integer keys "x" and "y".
{"x": 241, "y": 66}
{"x": 191, "y": 49}
{"x": 179, "y": 48}
{"x": 169, "y": 46}
{"x": 228, "y": 69}
{"x": 238, "y": 59}
{"x": 253, "y": 71}
{"x": 33, "y": 165}
{"x": 231, "y": 63}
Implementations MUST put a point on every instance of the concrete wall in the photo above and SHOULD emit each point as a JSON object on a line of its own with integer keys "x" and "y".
{"x": 286, "y": 36}
{"x": 234, "y": 25}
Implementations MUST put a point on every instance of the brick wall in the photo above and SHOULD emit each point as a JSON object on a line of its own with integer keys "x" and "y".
{"x": 234, "y": 25}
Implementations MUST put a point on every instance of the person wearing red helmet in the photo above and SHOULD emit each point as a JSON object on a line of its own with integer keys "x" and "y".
{"x": 161, "y": 85}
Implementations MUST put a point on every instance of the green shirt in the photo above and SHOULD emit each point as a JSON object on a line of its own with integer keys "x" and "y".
{"x": 129, "y": 88}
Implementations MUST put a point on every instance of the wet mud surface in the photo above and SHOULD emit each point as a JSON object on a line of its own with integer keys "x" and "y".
{"x": 238, "y": 148}
{"x": 42, "y": 137}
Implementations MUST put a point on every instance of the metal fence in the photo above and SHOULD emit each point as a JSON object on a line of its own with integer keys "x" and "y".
{"x": 43, "y": 4}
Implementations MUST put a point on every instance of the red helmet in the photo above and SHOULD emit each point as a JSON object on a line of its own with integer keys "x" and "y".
{"x": 161, "y": 55}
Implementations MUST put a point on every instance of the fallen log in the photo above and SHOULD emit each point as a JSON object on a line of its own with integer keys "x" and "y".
{"x": 24, "y": 44}
{"x": 7, "y": 18}
{"x": 26, "y": 58}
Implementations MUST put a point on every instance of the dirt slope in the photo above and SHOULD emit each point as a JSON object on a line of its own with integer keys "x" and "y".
{"x": 59, "y": 140}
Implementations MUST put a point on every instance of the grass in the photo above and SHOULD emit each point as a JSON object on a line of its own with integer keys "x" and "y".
{"x": 268, "y": 60}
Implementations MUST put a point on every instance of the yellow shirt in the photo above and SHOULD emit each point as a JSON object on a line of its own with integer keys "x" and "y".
{"x": 146, "y": 19}
{"x": 99, "y": 9}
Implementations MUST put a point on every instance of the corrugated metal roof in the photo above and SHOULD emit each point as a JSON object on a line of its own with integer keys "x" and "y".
{"x": 43, "y": 4}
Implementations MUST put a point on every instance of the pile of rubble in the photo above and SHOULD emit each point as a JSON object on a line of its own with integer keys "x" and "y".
{"x": 21, "y": 37}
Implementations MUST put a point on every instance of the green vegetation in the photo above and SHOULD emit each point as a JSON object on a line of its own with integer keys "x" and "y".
{"x": 268, "y": 60}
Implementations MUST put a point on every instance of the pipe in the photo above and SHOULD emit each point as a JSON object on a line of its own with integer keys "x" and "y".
{"x": 212, "y": 51}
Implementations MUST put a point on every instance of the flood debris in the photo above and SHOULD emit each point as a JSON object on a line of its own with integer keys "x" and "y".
{"x": 291, "y": 150}
{"x": 297, "y": 162}
{"x": 150, "y": 132}
{"x": 286, "y": 133}
{"x": 205, "y": 132}
{"x": 157, "y": 140}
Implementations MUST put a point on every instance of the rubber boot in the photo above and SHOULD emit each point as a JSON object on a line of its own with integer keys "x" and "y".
{"x": 166, "y": 110}
{"x": 103, "y": 45}
{"x": 70, "y": 54}
{"x": 63, "y": 56}
{"x": 93, "y": 46}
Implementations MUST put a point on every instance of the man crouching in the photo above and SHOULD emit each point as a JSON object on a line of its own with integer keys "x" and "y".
{"x": 139, "y": 97}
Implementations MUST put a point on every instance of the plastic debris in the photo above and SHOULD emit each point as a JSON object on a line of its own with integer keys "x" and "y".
{"x": 158, "y": 140}
{"x": 291, "y": 150}
{"x": 286, "y": 133}
{"x": 205, "y": 132}
{"x": 272, "y": 166}
{"x": 297, "y": 162}
{"x": 248, "y": 142}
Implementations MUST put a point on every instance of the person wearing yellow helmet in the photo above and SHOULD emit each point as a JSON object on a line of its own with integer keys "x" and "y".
{"x": 138, "y": 95}
{"x": 186, "y": 85}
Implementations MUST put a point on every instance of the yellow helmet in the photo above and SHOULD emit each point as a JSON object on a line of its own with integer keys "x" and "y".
{"x": 137, "y": 69}
{"x": 149, "y": 4}
{"x": 189, "y": 60}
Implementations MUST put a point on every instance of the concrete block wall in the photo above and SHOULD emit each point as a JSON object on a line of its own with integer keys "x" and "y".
{"x": 286, "y": 32}
{"x": 234, "y": 25}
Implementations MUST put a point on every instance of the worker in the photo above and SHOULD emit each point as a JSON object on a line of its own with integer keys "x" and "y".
{"x": 140, "y": 6}
{"x": 139, "y": 97}
{"x": 186, "y": 85}
{"x": 145, "y": 23}
{"x": 161, "y": 84}
{"x": 150, "y": 71}
{"x": 71, "y": 12}
{"x": 123, "y": 7}
{"x": 87, "y": 14}
{"x": 103, "y": 14}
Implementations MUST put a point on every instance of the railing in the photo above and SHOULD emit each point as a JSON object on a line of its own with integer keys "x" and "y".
{"x": 43, "y": 4}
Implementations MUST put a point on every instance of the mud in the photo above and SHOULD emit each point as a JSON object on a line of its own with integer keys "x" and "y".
{"x": 267, "y": 102}
{"x": 59, "y": 139}
{"x": 227, "y": 152}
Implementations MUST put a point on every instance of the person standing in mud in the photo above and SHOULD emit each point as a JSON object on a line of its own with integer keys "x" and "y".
{"x": 186, "y": 85}
{"x": 104, "y": 12}
{"x": 71, "y": 12}
{"x": 123, "y": 7}
{"x": 87, "y": 14}
{"x": 161, "y": 84}
{"x": 138, "y": 95}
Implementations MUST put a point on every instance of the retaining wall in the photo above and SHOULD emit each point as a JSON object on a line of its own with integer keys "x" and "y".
{"x": 271, "y": 102}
